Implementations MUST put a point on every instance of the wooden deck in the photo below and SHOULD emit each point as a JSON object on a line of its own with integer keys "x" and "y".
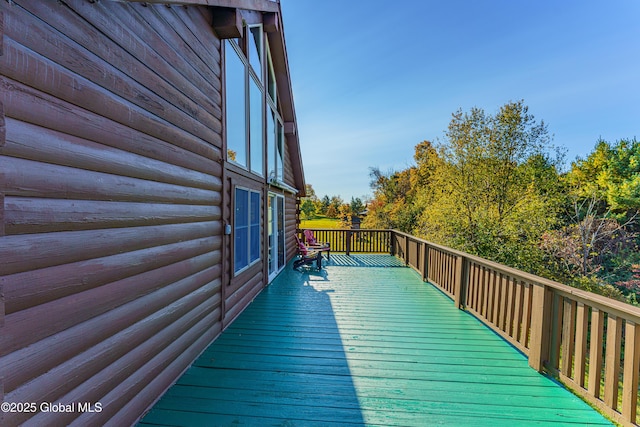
{"x": 363, "y": 342}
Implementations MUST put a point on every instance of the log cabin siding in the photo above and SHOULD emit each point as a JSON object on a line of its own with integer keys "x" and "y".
{"x": 291, "y": 226}
{"x": 116, "y": 269}
{"x": 111, "y": 203}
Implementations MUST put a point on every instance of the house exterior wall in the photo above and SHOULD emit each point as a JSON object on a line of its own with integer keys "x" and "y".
{"x": 114, "y": 196}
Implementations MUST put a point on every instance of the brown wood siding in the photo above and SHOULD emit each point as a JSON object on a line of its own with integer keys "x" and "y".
{"x": 291, "y": 225}
{"x": 288, "y": 170}
{"x": 111, "y": 198}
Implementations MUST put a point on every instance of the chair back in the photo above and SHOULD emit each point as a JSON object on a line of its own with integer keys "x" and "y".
{"x": 301, "y": 247}
{"x": 310, "y": 238}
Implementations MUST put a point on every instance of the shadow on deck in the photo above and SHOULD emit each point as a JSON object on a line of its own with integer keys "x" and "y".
{"x": 362, "y": 346}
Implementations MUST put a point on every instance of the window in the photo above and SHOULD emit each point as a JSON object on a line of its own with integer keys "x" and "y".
{"x": 275, "y": 146}
{"x": 255, "y": 50}
{"x": 271, "y": 78}
{"x": 236, "y": 107}
{"x": 245, "y": 107}
{"x": 279, "y": 151}
{"x": 255, "y": 119}
{"x": 246, "y": 228}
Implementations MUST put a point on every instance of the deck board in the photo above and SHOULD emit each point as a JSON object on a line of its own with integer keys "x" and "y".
{"x": 363, "y": 343}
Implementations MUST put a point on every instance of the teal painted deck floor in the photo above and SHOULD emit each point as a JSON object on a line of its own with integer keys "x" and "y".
{"x": 363, "y": 344}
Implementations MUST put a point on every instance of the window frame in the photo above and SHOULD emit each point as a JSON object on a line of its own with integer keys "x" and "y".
{"x": 251, "y": 77}
{"x": 251, "y": 227}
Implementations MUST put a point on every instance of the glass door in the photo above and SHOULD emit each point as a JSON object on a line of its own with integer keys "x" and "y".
{"x": 276, "y": 234}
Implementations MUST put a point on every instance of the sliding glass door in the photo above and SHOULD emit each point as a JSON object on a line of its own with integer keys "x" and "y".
{"x": 276, "y": 234}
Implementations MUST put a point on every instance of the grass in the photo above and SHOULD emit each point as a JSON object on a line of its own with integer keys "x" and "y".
{"x": 320, "y": 222}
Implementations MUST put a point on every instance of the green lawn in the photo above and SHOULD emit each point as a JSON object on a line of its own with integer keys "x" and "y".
{"x": 320, "y": 222}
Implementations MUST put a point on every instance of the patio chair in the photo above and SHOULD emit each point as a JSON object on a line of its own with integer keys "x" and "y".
{"x": 314, "y": 244}
{"x": 307, "y": 256}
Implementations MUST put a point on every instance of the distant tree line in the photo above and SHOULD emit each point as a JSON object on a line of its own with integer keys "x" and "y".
{"x": 330, "y": 207}
{"x": 494, "y": 187}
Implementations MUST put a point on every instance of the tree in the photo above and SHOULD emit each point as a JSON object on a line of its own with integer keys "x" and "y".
{"x": 324, "y": 205}
{"x": 491, "y": 186}
{"x": 310, "y": 192}
{"x": 331, "y": 212}
{"x": 356, "y": 206}
{"x": 308, "y": 208}
{"x": 334, "y": 207}
{"x": 611, "y": 174}
{"x": 582, "y": 246}
{"x": 392, "y": 206}
{"x": 344, "y": 214}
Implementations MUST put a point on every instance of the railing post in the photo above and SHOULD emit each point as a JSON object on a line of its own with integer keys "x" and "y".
{"x": 425, "y": 262}
{"x": 541, "y": 315}
{"x": 348, "y": 242}
{"x": 406, "y": 250}
{"x": 631, "y": 367}
{"x": 392, "y": 242}
{"x": 461, "y": 281}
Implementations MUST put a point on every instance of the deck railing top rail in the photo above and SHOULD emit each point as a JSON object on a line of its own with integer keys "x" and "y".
{"x": 619, "y": 307}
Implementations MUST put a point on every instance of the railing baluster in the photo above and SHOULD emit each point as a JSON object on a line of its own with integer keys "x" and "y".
{"x": 493, "y": 296}
{"x": 503, "y": 302}
{"x": 582, "y": 324}
{"x": 568, "y": 337}
{"x": 630, "y": 373}
{"x": 518, "y": 309}
{"x": 612, "y": 357}
{"x": 555, "y": 332}
{"x": 526, "y": 315}
{"x": 595, "y": 352}
{"x": 508, "y": 326}
{"x": 540, "y": 318}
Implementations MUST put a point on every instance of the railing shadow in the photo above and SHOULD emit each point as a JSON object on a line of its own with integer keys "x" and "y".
{"x": 364, "y": 260}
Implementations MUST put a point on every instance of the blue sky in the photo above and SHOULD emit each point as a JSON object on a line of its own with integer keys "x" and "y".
{"x": 371, "y": 79}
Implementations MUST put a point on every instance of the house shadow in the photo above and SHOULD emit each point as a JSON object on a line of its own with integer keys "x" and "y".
{"x": 282, "y": 362}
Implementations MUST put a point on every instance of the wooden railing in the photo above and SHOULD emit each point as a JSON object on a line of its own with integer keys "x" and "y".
{"x": 590, "y": 342}
{"x": 355, "y": 241}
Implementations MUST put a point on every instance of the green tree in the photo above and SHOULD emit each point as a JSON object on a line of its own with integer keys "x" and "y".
{"x": 308, "y": 208}
{"x": 323, "y": 205}
{"x": 596, "y": 247}
{"x": 611, "y": 174}
{"x": 492, "y": 186}
{"x": 356, "y": 206}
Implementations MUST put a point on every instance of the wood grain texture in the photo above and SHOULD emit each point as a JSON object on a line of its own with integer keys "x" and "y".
{"x": 136, "y": 394}
{"x": 129, "y": 364}
{"x": 32, "y": 69}
{"x": 123, "y": 25}
{"x": 33, "y": 106}
{"x": 111, "y": 203}
{"x": 28, "y": 326}
{"x": 32, "y": 142}
{"x": 40, "y": 215}
{"x": 26, "y": 364}
{"x": 25, "y": 253}
{"x": 28, "y": 178}
{"x": 35, "y": 287}
{"x": 92, "y": 75}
